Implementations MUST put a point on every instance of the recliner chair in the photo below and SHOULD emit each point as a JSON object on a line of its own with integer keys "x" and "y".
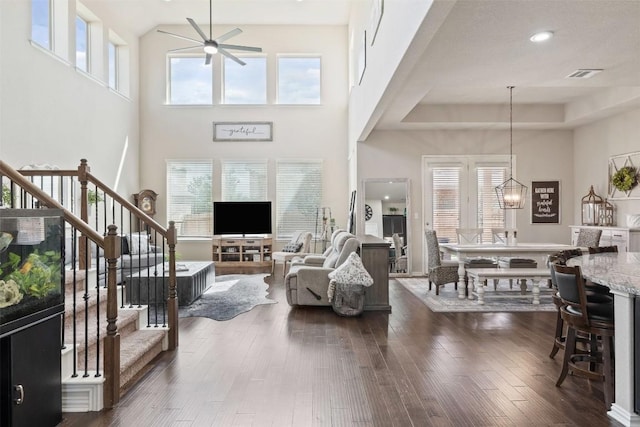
{"x": 308, "y": 284}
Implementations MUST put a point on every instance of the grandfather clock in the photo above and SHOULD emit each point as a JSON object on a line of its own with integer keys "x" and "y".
{"x": 145, "y": 200}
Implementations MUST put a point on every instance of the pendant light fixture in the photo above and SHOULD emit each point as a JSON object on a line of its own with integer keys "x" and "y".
{"x": 511, "y": 193}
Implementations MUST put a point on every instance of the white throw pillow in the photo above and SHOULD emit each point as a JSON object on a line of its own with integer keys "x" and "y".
{"x": 351, "y": 272}
{"x": 138, "y": 243}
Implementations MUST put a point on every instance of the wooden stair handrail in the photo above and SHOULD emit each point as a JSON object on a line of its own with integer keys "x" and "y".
{"x": 49, "y": 202}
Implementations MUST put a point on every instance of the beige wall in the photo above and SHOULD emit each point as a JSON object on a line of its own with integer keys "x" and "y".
{"x": 51, "y": 113}
{"x": 539, "y": 155}
{"x": 594, "y": 144}
{"x": 312, "y": 132}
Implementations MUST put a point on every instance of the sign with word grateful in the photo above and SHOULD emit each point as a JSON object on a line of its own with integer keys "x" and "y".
{"x": 545, "y": 202}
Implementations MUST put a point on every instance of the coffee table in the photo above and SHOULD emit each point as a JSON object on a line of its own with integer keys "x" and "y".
{"x": 151, "y": 285}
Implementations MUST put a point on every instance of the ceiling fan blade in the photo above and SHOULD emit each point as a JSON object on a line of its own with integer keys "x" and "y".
{"x": 180, "y": 37}
{"x": 195, "y": 26}
{"x": 236, "y": 47}
{"x": 185, "y": 48}
{"x": 207, "y": 60}
{"x": 230, "y": 56}
{"x": 228, "y": 35}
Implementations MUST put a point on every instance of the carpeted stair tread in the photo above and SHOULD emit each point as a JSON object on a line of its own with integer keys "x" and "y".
{"x": 125, "y": 319}
{"x": 137, "y": 349}
{"x": 80, "y": 303}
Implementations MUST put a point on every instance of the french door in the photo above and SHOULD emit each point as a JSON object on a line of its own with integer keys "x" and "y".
{"x": 459, "y": 192}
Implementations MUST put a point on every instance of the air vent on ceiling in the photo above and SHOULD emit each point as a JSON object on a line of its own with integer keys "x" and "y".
{"x": 584, "y": 73}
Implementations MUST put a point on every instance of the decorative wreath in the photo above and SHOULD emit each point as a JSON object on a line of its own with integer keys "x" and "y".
{"x": 625, "y": 178}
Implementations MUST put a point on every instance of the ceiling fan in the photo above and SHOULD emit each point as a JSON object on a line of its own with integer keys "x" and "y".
{"x": 210, "y": 45}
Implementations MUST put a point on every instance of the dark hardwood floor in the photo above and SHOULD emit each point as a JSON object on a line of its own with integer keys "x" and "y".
{"x": 283, "y": 366}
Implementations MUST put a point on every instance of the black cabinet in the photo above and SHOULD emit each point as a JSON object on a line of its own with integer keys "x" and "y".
{"x": 30, "y": 380}
{"x": 394, "y": 224}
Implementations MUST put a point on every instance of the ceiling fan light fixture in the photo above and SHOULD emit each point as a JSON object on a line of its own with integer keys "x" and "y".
{"x": 541, "y": 36}
{"x": 210, "y": 49}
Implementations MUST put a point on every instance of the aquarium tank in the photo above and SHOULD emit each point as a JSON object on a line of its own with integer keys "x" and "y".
{"x": 31, "y": 266}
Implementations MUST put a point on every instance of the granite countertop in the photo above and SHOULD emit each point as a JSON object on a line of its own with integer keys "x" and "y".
{"x": 617, "y": 271}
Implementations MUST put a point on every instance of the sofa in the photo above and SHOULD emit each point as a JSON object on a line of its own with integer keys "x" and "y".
{"x": 307, "y": 282}
{"x": 137, "y": 253}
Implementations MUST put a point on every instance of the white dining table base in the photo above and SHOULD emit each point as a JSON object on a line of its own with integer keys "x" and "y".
{"x": 537, "y": 251}
{"x": 479, "y": 276}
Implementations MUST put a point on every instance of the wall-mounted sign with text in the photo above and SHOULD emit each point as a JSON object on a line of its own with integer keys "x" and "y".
{"x": 243, "y": 131}
{"x": 545, "y": 202}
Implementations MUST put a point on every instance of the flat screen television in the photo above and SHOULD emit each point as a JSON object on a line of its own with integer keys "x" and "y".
{"x": 241, "y": 218}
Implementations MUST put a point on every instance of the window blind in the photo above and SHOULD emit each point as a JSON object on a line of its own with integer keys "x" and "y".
{"x": 489, "y": 213}
{"x": 244, "y": 180}
{"x": 446, "y": 202}
{"x": 189, "y": 199}
{"x": 299, "y": 195}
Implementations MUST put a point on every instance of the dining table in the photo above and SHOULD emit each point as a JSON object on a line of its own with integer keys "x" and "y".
{"x": 461, "y": 252}
{"x": 620, "y": 272}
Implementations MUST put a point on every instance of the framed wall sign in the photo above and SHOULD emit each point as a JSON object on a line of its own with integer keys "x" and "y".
{"x": 545, "y": 202}
{"x": 243, "y": 131}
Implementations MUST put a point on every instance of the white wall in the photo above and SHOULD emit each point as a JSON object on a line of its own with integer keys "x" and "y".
{"x": 185, "y": 132}
{"x": 50, "y": 113}
{"x": 594, "y": 144}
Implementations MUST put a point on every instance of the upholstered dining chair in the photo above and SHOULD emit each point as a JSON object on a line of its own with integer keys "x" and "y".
{"x": 588, "y": 237}
{"x": 400, "y": 262}
{"x": 439, "y": 271}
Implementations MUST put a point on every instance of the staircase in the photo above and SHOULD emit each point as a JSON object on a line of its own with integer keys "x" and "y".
{"x": 107, "y": 342}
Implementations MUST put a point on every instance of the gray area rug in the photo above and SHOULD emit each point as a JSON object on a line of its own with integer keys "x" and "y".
{"x": 229, "y": 296}
{"x": 502, "y": 300}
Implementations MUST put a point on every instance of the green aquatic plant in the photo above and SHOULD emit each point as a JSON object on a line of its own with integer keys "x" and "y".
{"x": 37, "y": 275}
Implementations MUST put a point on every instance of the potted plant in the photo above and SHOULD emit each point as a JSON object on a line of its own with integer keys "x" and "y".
{"x": 625, "y": 178}
{"x": 393, "y": 210}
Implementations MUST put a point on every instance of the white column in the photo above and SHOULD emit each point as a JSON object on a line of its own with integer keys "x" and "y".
{"x": 622, "y": 407}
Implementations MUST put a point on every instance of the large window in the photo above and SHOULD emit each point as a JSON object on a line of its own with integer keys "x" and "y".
{"x": 190, "y": 81}
{"x": 245, "y": 84}
{"x": 299, "y": 195}
{"x": 299, "y": 80}
{"x": 244, "y": 180}
{"x": 460, "y": 193}
{"x": 41, "y": 28}
{"x": 82, "y": 44}
{"x": 189, "y": 197}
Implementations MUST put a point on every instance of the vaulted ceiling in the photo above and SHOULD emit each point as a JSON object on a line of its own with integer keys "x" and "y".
{"x": 456, "y": 73}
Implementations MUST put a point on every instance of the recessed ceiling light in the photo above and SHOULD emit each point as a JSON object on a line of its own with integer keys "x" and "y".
{"x": 541, "y": 36}
{"x": 386, "y": 197}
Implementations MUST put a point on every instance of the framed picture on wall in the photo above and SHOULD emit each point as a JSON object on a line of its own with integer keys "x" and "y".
{"x": 545, "y": 202}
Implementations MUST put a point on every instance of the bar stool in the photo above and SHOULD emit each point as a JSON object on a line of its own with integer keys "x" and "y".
{"x": 591, "y": 318}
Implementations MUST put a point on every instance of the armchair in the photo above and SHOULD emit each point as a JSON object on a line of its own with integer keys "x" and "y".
{"x": 316, "y": 259}
{"x": 439, "y": 272}
{"x": 299, "y": 244}
{"x": 308, "y": 284}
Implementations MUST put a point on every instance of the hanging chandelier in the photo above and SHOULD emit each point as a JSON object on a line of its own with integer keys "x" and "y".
{"x": 511, "y": 193}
